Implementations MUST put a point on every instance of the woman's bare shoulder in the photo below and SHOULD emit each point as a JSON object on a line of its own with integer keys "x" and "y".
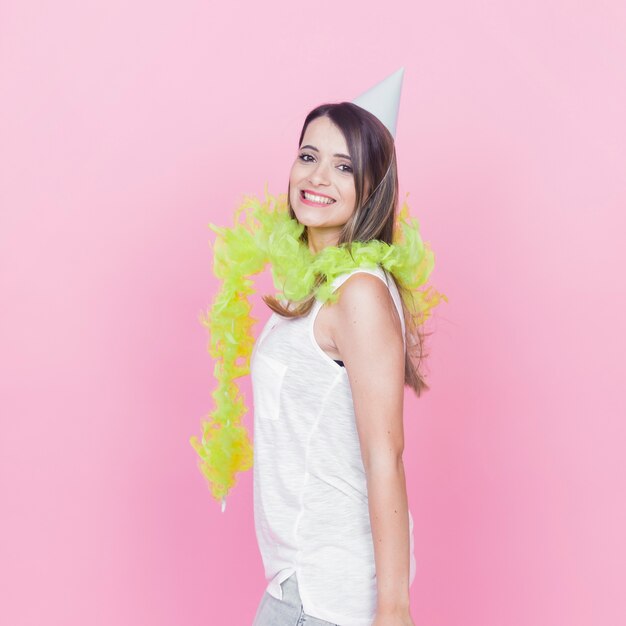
{"x": 366, "y": 299}
{"x": 364, "y": 290}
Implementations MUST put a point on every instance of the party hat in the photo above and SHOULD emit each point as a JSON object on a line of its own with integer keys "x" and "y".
{"x": 383, "y": 100}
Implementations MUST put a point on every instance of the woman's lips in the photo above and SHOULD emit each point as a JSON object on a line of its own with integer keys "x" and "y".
{"x": 311, "y": 202}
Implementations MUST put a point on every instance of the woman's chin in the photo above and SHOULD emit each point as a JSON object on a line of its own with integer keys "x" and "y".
{"x": 306, "y": 215}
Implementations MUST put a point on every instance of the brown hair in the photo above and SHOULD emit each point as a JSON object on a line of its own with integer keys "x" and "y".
{"x": 372, "y": 150}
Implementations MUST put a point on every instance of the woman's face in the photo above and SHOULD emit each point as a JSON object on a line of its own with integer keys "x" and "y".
{"x": 323, "y": 171}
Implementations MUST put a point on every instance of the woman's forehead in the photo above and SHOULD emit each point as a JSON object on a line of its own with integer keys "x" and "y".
{"x": 324, "y": 135}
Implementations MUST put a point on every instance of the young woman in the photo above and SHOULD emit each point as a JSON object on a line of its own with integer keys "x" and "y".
{"x": 330, "y": 504}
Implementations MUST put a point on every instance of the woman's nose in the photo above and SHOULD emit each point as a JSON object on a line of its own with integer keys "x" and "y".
{"x": 319, "y": 175}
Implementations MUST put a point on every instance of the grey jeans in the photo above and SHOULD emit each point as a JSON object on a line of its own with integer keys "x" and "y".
{"x": 285, "y": 612}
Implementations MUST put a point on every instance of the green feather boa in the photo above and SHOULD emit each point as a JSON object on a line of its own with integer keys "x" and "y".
{"x": 268, "y": 234}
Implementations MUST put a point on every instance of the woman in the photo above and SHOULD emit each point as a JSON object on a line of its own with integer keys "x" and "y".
{"x": 330, "y": 502}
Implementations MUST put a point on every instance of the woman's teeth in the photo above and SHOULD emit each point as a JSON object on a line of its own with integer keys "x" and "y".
{"x": 318, "y": 199}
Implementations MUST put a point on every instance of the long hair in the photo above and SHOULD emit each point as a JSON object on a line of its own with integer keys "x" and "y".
{"x": 373, "y": 153}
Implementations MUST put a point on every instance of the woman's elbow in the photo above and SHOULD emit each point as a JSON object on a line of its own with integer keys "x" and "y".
{"x": 383, "y": 458}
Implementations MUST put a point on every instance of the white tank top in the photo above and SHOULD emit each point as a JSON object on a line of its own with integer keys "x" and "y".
{"x": 310, "y": 493}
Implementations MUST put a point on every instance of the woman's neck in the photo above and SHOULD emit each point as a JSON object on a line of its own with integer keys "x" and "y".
{"x": 321, "y": 238}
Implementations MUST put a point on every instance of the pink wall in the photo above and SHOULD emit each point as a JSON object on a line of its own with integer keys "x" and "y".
{"x": 127, "y": 127}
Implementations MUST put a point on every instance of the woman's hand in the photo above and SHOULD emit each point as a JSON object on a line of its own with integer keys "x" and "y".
{"x": 393, "y": 618}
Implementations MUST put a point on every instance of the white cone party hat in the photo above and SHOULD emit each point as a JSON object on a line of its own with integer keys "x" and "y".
{"x": 383, "y": 100}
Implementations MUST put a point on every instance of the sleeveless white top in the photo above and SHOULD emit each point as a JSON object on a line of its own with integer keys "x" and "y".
{"x": 310, "y": 493}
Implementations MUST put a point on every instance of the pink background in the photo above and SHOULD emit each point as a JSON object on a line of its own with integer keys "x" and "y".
{"x": 127, "y": 127}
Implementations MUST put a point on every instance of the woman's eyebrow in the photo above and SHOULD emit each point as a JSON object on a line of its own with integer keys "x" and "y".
{"x": 341, "y": 156}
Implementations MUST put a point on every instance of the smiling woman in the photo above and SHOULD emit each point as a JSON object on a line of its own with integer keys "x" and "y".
{"x": 343, "y": 187}
{"x": 328, "y": 371}
{"x": 331, "y": 512}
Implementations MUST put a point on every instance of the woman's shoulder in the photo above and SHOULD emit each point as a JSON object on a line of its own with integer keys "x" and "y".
{"x": 361, "y": 273}
{"x": 370, "y": 293}
{"x": 363, "y": 287}
{"x": 364, "y": 310}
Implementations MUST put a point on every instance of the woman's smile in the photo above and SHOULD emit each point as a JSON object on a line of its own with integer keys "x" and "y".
{"x": 315, "y": 199}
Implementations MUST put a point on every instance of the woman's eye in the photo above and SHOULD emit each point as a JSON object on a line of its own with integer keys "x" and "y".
{"x": 307, "y": 158}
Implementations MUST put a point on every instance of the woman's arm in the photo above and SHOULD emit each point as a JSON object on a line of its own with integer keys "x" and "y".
{"x": 368, "y": 336}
